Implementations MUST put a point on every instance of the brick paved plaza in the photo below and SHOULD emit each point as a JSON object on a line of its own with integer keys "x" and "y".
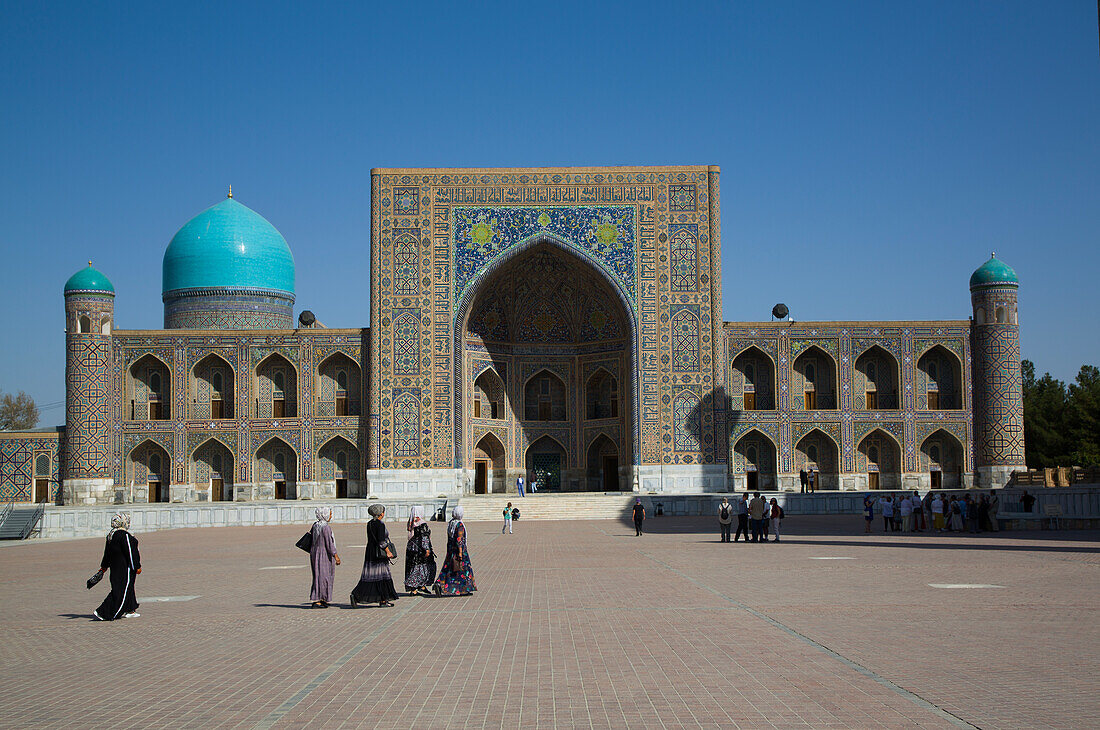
{"x": 576, "y": 624}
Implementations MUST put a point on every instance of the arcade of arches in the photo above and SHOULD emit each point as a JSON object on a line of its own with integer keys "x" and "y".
{"x": 547, "y": 377}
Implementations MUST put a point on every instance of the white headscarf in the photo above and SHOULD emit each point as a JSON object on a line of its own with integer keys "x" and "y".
{"x": 456, "y": 519}
{"x": 416, "y": 518}
{"x": 324, "y": 514}
{"x": 121, "y": 521}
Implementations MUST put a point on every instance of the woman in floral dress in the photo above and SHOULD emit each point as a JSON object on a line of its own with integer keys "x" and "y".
{"x": 457, "y": 576}
{"x": 419, "y": 556}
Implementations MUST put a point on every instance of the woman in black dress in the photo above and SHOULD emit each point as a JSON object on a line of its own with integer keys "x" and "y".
{"x": 121, "y": 556}
{"x": 376, "y": 583}
{"x": 419, "y": 556}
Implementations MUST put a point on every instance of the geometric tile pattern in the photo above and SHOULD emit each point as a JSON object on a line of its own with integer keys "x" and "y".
{"x": 685, "y": 258}
{"x": 19, "y": 458}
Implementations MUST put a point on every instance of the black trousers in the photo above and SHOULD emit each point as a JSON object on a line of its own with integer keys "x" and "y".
{"x": 742, "y": 527}
{"x": 725, "y": 531}
{"x": 637, "y": 527}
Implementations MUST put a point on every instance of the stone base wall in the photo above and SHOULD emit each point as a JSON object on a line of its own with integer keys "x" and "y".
{"x": 385, "y": 483}
{"x": 88, "y": 491}
{"x": 995, "y": 477}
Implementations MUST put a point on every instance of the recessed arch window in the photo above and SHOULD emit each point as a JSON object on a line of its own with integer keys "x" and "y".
{"x": 811, "y": 373}
{"x": 342, "y": 379}
{"x": 216, "y": 462}
{"x": 342, "y": 460}
{"x": 870, "y": 371}
{"x": 42, "y": 466}
{"x": 1002, "y": 315}
{"x": 751, "y": 453}
{"x": 155, "y": 383}
{"x": 84, "y": 324}
{"x": 750, "y": 374}
{"x": 105, "y": 328}
{"x": 154, "y": 464}
{"x": 934, "y": 454}
{"x": 279, "y": 460}
{"x": 278, "y": 380}
{"x": 811, "y": 452}
{"x": 872, "y": 453}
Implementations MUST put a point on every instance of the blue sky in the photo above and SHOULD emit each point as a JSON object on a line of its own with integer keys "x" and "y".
{"x": 872, "y": 154}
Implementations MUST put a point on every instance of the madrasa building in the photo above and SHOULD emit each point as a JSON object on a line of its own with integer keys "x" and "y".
{"x": 563, "y": 324}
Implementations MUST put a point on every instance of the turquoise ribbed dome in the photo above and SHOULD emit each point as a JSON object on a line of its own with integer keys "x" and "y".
{"x": 993, "y": 273}
{"x": 228, "y": 245}
{"x": 89, "y": 279}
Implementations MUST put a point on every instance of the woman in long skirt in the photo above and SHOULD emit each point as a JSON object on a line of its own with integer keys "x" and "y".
{"x": 121, "y": 556}
{"x": 322, "y": 558}
{"x": 457, "y": 576}
{"x": 376, "y": 583}
{"x": 419, "y": 556}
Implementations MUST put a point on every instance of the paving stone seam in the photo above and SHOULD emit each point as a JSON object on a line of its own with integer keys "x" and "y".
{"x": 870, "y": 674}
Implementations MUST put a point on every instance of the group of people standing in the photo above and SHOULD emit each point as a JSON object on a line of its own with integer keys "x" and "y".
{"x": 455, "y": 578}
{"x": 808, "y": 479}
{"x": 909, "y": 513}
{"x": 757, "y": 517}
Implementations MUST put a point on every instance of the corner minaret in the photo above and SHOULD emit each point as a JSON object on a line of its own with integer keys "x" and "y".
{"x": 998, "y": 387}
{"x": 89, "y": 319}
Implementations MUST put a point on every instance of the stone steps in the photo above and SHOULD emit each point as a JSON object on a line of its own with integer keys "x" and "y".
{"x": 576, "y": 506}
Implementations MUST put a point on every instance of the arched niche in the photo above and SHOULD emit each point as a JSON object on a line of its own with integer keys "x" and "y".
{"x": 879, "y": 457}
{"x": 544, "y": 398}
{"x": 601, "y": 395}
{"x": 488, "y": 465}
{"x": 814, "y": 380}
{"x": 339, "y": 386}
{"x": 276, "y": 388}
{"x": 545, "y": 460}
{"x": 877, "y": 376}
{"x": 818, "y": 451}
{"x": 339, "y": 465}
{"x": 212, "y": 470}
{"x": 149, "y": 471}
{"x": 602, "y": 465}
{"x": 753, "y": 379}
{"x": 488, "y": 399}
{"x": 149, "y": 390}
{"x": 212, "y": 388}
{"x": 942, "y": 457}
{"x": 755, "y": 458}
{"x": 939, "y": 380}
{"x": 276, "y": 470}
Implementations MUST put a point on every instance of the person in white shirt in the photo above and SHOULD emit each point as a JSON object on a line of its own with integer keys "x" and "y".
{"x": 937, "y": 514}
{"x": 906, "y": 508}
{"x": 886, "y": 507}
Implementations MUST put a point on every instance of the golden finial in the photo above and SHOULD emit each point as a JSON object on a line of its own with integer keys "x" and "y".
{"x": 230, "y": 191}
{"x": 992, "y": 254}
{"x": 89, "y": 264}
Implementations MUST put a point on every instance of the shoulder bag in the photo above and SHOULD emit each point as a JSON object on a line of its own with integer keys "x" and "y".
{"x": 305, "y": 542}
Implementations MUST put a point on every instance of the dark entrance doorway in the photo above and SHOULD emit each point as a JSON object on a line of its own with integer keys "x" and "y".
{"x": 154, "y": 491}
{"x": 280, "y": 490}
{"x": 341, "y": 489}
{"x": 41, "y": 490}
{"x": 216, "y": 487}
{"x": 937, "y": 479}
{"x": 610, "y": 473}
{"x": 752, "y": 481}
{"x": 481, "y": 477}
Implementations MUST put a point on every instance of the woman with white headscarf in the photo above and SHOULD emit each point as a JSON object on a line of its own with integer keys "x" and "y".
{"x": 457, "y": 576}
{"x": 121, "y": 556}
{"x": 376, "y": 584}
{"x": 322, "y": 558}
{"x": 419, "y": 556}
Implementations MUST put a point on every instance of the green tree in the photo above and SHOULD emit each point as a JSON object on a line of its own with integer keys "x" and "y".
{"x": 1045, "y": 401}
{"x": 17, "y": 412}
{"x": 1083, "y": 417}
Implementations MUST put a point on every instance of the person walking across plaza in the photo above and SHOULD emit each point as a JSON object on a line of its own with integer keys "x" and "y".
{"x": 519, "y": 485}
{"x": 376, "y": 584}
{"x": 121, "y": 557}
{"x": 776, "y": 516}
{"x": 638, "y": 513}
{"x": 533, "y": 484}
{"x": 419, "y": 555}
{"x": 756, "y": 517}
{"x": 725, "y": 518}
{"x": 507, "y": 520}
{"x": 802, "y": 479}
{"x": 456, "y": 578}
{"x": 742, "y": 518}
{"x": 322, "y": 558}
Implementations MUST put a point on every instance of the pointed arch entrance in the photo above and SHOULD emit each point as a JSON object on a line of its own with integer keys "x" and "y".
{"x": 559, "y": 333}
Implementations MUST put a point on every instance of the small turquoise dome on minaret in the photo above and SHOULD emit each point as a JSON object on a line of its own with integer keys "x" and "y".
{"x": 89, "y": 280}
{"x": 993, "y": 273}
{"x": 228, "y": 245}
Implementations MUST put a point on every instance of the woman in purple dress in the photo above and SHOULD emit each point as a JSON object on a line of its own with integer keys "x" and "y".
{"x": 457, "y": 576}
{"x": 376, "y": 583}
{"x": 322, "y": 558}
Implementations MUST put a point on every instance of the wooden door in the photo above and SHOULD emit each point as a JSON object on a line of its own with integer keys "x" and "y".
{"x": 216, "y": 487}
{"x": 216, "y": 408}
{"x": 341, "y": 406}
{"x": 872, "y": 480}
{"x": 481, "y": 474}
{"x": 610, "y": 474}
{"x": 280, "y": 490}
{"x": 41, "y": 490}
{"x": 937, "y": 479}
{"x": 811, "y": 400}
{"x": 278, "y": 408}
{"x": 872, "y": 400}
{"x": 477, "y": 407}
{"x": 933, "y": 400}
{"x": 154, "y": 491}
{"x": 154, "y": 410}
{"x": 341, "y": 489}
{"x": 750, "y": 401}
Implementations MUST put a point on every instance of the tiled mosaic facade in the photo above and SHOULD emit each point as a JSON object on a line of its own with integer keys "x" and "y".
{"x": 565, "y": 321}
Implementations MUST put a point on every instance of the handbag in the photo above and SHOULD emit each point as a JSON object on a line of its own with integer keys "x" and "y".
{"x": 305, "y": 542}
{"x": 96, "y": 577}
